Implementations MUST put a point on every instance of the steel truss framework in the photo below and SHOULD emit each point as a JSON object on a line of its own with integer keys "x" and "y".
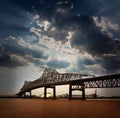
{"x": 109, "y": 83}
{"x": 51, "y": 78}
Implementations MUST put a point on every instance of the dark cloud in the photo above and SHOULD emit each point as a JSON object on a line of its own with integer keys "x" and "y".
{"x": 86, "y": 7}
{"x": 109, "y": 9}
{"x": 12, "y": 47}
{"x": 14, "y": 27}
{"x": 14, "y": 20}
{"x": 87, "y": 37}
{"x": 88, "y": 61}
{"x": 112, "y": 64}
{"x": 62, "y": 7}
{"x": 92, "y": 40}
{"x": 58, "y": 64}
{"x": 6, "y": 60}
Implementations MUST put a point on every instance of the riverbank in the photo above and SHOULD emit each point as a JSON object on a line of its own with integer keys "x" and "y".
{"x": 62, "y": 108}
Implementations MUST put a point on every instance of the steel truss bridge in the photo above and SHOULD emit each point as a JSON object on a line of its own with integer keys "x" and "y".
{"x": 52, "y": 78}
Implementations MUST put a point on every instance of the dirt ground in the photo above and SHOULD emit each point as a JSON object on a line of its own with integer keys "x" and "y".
{"x": 37, "y": 108}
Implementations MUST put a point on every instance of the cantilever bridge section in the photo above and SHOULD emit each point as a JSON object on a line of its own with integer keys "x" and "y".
{"x": 52, "y": 78}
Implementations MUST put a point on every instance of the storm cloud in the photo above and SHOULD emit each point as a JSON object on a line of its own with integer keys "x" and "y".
{"x": 6, "y": 60}
{"x": 13, "y": 49}
{"x": 86, "y": 36}
{"x": 88, "y": 30}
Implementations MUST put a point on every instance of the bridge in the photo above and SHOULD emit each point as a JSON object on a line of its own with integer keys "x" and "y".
{"x": 76, "y": 81}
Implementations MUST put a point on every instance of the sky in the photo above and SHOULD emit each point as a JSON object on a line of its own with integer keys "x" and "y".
{"x": 80, "y": 36}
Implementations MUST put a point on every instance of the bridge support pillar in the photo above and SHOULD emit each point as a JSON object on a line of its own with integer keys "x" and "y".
{"x": 24, "y": 94}
{"x": 30, "y": 94}
{"x": 83, "y": 91}
{"x": 45, "y": 91}
{"x": 54, "y": 92}
{"x": 70, "y": 91}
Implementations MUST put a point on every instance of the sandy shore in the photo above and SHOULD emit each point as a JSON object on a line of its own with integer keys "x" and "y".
{"x": 36, "y": 108}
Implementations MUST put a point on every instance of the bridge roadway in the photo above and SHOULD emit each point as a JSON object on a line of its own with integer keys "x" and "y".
{"x": 51, "y": 78}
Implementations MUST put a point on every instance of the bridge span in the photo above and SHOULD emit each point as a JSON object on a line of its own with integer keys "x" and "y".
{"x": 76, "y": 81}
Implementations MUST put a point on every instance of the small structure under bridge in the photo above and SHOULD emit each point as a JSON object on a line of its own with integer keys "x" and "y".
{"x": 52, "y": 78}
